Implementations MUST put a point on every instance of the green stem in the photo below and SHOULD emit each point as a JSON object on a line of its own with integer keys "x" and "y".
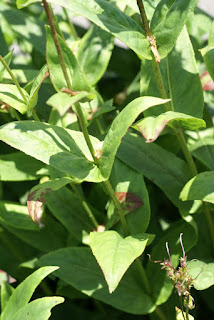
{"x": 85, "y": 206}
{"x": 13, "y": 78}
{"x": 118, "y": 207}
{"x": 73, "y": 30}
{"x": 35, "y": 117}
{"x": 186, "y": 153}
{"x": 210, "y": 224}
{"x": 144, "y": 17}
{"x": 15, "y": 114}
{"x": 56, "y": 41}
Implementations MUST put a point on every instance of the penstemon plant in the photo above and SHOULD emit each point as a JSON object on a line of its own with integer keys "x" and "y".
{"x": 107, "y": 154}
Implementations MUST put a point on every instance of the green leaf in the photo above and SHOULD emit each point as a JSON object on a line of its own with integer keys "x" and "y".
{"x": 79, "y": 268}
{"x": 25, "y": 26}
{"x": 201, "y": 187}
{"x": 62, "y": 101}
{"x": 168, "y": 21}
{"x": 64, "y": 149}
{"x": 181, "y": 80}
{"x": 119, "y": 128}
{"x": 77, "y": 78}
{"x": 33, "y": 98}
{"x": 16, "y": 216}
{"x": 94, "y": 53}
{"x": 151, "y": 127}
{"x": 37, "y": 307}
{"x": 67, "y": 208}
{"x": 159, "y": 279}
{"x": 24, "y": 291}
{"x": 179, "y": 315}
{"x": 7, "y": 59}
{"x": 111, "y": 19}
{"x": 133, "y": 196}
{"x": 36, "y": 195}
{"x": 18, "y": 166}
{"x": 6, "y": 292}
{"x": 115, "y": 254}
{"x": 24, "y": 3}
{"x": 201, "y": 145}
{"x": 202, "y": 273}
{"x": 164, "y": 168}
{"x": 208, "y": 53}
{"x": 10, "y": 94}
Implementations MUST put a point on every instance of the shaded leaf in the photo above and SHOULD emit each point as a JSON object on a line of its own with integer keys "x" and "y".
{"x": 18, "y": 166}
{"x": 79, "y": 268}
{"x": 37, "y": 307}
{"x": 25, "y": 26}
{"x": 181, "y": 80}
{"x": 151, "y": 127}
{"x": 162, "y": 167}
{"x": 77, "y": 78}
{"x": 201, "y": 187}
{"x": 115, "y": 254}
{"x": 94, "y": 53}
{"x": 24, "y": 291}
{"x": 33, "y": 98}
{"x": 168, "y": 21}
{"x": 202, "y": 273}
{"x": 6, "y": 292}
{"x": 62, "y": 101}
{"x": 132, "y": 194}
{"x": 64, "y": 149}
{"x": 7, "y": 59}
{"x": 208, "y": 52}
{"x": 10, "y": 95}
{"x": 36, "y": 196}
{"x": 119, "y": 128}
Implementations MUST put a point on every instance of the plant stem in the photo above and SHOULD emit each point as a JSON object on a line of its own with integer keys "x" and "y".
{"x": 186, "y": 153}
{"x": 85, "y": 206}
{"x": 144, "y": 17}
{"x": 13, "y": 78}
{"x": 35, "y": 117}
{"x": 63, "y": 66}
{"x": 117, "y": 206}
{"x": 210, "y": 224}
{"x": 56, "y": 41}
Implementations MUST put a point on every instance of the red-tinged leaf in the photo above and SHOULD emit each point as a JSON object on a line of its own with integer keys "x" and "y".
{"x": 206, "y": 81}
{"x": 129, "y": 201}
{"x": 36, "y": 196}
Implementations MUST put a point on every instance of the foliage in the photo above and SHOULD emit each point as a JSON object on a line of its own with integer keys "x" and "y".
{"x": 109, "y": 150}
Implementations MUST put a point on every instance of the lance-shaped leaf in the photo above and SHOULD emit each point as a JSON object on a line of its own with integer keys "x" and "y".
{"x": 162, "y": 167}
{"x": 36, "y": 195}
{"x": 24, "y": 291}
{"x": 133, "y": 197}
{"x": 108, "y": 17}
{"x": 201, "y": 187}
{"x": 7, "y": 59}
{"x": 18, "y": 166}
{"x": 208, "y": 53}
{"x": 115, "y": 254}
{"x": 76, "y": 76}
{"x": 10, "y": 95}
{"x": 62, "y": 101}
{"x": 202, "y": 273}
{"x": 64, "y": 149}
{"x": 6, "y": 292}
{"x": 168, "y": 21}
{"x": 33, "y": 98}
{"x": 41, "y": 307}
{"x": 151, "y": 127}
{"x": 119, "y": 128}
{"x": 94, "y": 53}
{"x": 25, "y": 26}
{"x": 79, "y": 268}
{"x": 181, "y": 80}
